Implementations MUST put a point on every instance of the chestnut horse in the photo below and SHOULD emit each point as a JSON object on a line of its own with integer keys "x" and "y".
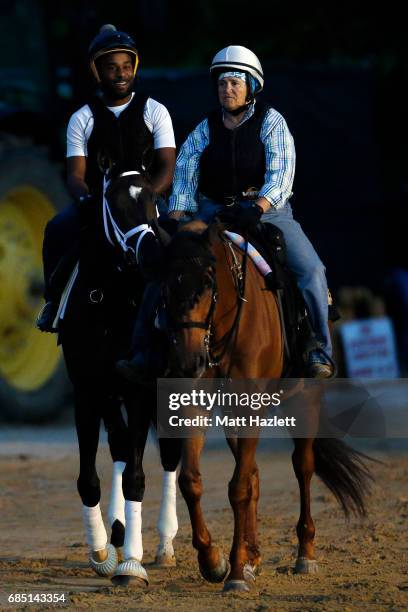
{"x": 223, "y": 323}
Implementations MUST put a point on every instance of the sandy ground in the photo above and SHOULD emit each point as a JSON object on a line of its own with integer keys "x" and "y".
{"x": 362, "y": 565}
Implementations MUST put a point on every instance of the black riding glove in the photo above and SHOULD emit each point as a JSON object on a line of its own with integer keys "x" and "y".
{"x": 248, "y": 218}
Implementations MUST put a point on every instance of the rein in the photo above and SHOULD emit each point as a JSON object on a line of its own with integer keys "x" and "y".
{"x": 238, "y": 272}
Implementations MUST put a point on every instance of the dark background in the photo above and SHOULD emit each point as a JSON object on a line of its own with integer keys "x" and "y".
{"x": 337, "y": 73}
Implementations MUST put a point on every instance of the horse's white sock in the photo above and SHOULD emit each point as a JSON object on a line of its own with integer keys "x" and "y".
{"x": 116, "y": 510}
{"x": 96, "y": 536}
{"x": 133, "y": 547}
{"x": 167, "y": 523}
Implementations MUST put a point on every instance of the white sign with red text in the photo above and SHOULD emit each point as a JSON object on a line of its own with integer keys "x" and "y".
{"x": 369, "y": 348}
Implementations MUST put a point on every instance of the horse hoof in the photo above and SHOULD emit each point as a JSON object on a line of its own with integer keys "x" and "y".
{"x": 107, "y": 567}
{"x": 165, "y": 560}
{"x": 165, "y": 554}
{"x": 130, "y": 572}
{"x": 250, "y": 572}
{"x": 235, "y": 585}
{"x": 306, "y": 566}
{"x": 216, "y": 574}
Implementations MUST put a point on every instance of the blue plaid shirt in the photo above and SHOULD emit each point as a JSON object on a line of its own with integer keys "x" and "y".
{"x": 280, "y": 163}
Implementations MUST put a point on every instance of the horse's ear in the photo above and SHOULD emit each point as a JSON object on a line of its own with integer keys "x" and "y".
{"x": 213, "y": 232}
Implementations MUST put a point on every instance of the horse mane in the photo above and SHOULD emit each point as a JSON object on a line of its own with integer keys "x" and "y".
{"x": 189, "y": 266}
{"x": 188, "y": 251}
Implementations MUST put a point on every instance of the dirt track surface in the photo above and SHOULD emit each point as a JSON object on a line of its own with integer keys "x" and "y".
{"x": 362, "y": 565}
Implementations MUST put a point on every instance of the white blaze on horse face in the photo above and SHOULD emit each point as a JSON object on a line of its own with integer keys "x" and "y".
{"x": 134, "y": 191}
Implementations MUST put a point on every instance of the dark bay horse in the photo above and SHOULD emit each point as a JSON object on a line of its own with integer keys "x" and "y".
{"x": 95, "y": 332}
{"x": 223, "y": 323}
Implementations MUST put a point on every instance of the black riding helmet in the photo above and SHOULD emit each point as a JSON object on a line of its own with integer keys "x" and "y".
{"x": 109, "y": 40}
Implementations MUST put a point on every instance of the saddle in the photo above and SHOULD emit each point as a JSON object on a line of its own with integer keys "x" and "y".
{"x": 299, "y": 336}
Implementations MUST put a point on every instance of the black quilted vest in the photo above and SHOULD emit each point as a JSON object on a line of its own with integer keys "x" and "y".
{"x": 124, "y": 141}
{"x": 234, "y": 160}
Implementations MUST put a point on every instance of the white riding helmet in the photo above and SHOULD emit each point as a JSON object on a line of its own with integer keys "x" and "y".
{"x": 239, "y": 58}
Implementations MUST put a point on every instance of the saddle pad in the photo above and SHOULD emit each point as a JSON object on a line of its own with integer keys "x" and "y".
{"x": 263, "y": 267}
{"x": 65, "y": 296}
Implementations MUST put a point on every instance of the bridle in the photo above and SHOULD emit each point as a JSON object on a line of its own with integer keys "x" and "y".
{"x": 238, "y": 272}
{"x": 121, "y": 238}
{"x": 206, "y": 325}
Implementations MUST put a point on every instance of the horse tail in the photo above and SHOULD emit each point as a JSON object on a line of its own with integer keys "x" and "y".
{"x": 344, "y": 471}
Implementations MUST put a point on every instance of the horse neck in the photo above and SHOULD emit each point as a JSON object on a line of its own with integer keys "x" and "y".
{"x": 257, "y": 351}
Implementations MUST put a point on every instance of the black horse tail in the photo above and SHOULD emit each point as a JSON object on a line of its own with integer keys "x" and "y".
{"x": 344, "y": 471}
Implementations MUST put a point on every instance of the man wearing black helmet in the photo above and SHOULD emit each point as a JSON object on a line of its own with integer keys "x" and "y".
{"x": 117, "y": 127}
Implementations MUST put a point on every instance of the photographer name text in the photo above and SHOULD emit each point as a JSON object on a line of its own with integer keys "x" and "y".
{"x": 227, "y": 421}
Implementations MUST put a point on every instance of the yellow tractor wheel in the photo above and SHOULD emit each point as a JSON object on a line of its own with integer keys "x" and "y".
{"x": 33, "y": 384}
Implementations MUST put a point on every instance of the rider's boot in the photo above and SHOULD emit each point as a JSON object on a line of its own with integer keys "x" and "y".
{"x": 319, "y": 365}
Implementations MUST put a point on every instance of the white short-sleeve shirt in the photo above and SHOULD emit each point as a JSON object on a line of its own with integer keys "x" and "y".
{"x": 155, "y": 115}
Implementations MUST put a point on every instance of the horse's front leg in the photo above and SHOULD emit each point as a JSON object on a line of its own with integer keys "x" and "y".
{"x": 131, "y": 570}
{"x": 304, "y": 467}
{"x": 119, "y": 447}
{"x": 212, "y": 564}
{"x": 240, "y": 495}
{"x": 167, "y": 524}
{"x": 251, "y": 529}
{"x": 102, "y": 556}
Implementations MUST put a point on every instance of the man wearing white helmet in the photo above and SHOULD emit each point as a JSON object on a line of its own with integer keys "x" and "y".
{"x": 242, "y": 149}
{"x": 117, "y": 127}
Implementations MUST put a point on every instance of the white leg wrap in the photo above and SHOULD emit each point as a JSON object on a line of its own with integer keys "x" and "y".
{"x": 116, "y": 510}
{"x": 167, "y": 524}
{"x": 133, "y": 547}
{"x": 96, "y": 536}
